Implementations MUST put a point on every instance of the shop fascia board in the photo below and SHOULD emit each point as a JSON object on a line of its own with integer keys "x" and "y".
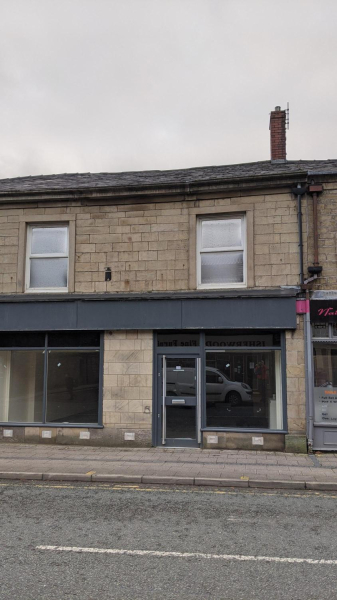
{"x": 144, "y": 313}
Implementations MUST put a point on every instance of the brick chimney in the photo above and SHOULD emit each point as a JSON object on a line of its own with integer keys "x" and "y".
{"x": 278, "y": 135}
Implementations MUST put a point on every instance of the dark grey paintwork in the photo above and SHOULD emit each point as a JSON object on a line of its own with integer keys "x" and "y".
{"x": 174, "y": 313}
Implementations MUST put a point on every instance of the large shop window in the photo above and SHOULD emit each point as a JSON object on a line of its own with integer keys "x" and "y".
{"x": 243, "y": 382}
{"x": 50, "y": 378}
{"x": 221, "y": 252}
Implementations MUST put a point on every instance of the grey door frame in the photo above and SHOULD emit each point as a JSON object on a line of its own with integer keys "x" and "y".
{"x": 160, "y": 438}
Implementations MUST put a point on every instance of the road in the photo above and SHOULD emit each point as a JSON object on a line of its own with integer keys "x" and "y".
{"x": 201, "y": 521}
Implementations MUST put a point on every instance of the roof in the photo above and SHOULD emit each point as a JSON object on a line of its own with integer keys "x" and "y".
{"x": 134, "y": 179}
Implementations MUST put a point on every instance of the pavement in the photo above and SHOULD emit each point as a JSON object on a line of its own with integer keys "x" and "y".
{"x": 234, "y": 468}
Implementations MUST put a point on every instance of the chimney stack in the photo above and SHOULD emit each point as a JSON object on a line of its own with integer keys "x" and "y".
{"x": 278, "y": 135}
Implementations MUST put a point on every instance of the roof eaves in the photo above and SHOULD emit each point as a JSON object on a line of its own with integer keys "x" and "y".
{"x": 156, "y": 188}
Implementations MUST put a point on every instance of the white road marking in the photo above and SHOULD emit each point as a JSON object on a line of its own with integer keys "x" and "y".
{"x": 157, "y": 553}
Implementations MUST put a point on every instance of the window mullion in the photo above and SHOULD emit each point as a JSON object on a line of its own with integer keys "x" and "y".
{"x": 48, "y": 256}
{"x": 224, "y": 249}
{"x": 45, "y": 380}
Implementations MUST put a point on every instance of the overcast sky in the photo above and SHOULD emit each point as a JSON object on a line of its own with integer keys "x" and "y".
{"x": 119, "y": 85}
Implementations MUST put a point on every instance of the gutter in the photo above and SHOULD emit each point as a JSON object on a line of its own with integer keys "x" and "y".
{"x": 150, "y": 296}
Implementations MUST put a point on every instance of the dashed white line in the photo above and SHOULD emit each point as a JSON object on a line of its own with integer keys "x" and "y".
{"x": 159, "y": 554}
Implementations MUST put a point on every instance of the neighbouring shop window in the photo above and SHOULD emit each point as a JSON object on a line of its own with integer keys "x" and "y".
{"x": 57, "y": 383}
{"x": 244, "y": 389}
{"x": 325, "y": 383}
{"x": 221, "y": 252}
{"x": 47, "y": 258}
{"x": 320, "y": 330}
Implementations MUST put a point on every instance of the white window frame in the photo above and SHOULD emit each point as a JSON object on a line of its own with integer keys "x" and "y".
{"x": 243, "y": 248}
{"x": 29, "y": 256}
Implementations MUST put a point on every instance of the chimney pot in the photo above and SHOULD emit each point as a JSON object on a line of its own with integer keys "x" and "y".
{"x": 278, "y": 135}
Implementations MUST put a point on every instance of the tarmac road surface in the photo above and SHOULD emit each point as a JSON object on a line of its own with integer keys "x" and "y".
{"x": 96, "y": 542}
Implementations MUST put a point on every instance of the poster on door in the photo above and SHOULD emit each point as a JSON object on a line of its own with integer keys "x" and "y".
{"x": 325, "y": 404}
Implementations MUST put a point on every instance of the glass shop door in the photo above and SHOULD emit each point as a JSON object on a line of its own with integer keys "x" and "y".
{"x": 179, "y": 401}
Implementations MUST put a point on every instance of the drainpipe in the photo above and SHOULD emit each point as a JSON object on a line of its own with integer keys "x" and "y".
{"x": 314, "y": 270}
{"x": 299, "y": 191}
{"x": 314, "y": 190}
{"x": 309, "y": 377}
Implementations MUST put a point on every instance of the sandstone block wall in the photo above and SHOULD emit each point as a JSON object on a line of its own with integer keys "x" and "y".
{"x": 327, "y": 236}
{"x": 147, "y": 245}
{"x": 296, "y": 407}
{"x": 127, "y": 387}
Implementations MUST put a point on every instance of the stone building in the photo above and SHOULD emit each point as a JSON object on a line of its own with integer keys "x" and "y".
{"x": 167, "y": 307}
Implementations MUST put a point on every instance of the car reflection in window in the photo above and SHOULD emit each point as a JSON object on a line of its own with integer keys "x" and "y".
{"x": 221, "y": 389}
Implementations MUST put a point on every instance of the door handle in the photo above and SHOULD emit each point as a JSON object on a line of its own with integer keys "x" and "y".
{"x": 163, "y": 435}
{"x": 199, "y": 399}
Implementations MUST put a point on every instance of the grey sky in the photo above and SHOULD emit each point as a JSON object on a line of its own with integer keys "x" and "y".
{"x": 117, "y": 85}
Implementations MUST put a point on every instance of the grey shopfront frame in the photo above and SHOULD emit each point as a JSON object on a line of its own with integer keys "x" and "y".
{"x": 55, "y": 348}
{"x": 272, "y": 310}
{"x": 322, "y": 435}
{"x": 200, "y": 352}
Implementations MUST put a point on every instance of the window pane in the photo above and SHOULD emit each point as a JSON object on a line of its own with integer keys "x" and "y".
{"x": 222, "y": 267}
{"x": 178, "y": 340}
{"x": 22, "y": 339}
{"x": 49, "y": 240}
{"x": 325, "y": 383}
{"x": 230, "y": 339}
{"x": 221, "y": 234}
{"x": 180, "y": 377}
{"x": 72, "y": 387}
{"x": 21, "y": 386}
{"x": 320, "y": 330}
{"x": 243, "y": 389}
{"x": 73, "y": 338}
{"x": 181, "y": 422}
{"x": 48, "y": 272}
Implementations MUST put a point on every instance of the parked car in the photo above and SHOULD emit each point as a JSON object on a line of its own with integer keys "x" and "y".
{"x": 218, "y": 387}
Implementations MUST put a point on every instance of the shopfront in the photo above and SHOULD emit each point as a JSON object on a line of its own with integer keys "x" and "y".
{"x": 220, "y": 381}
{"x": 324, "y": 357}
{"x": 171, "y": 370}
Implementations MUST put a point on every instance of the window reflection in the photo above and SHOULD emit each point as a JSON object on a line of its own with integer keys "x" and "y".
{"x": 243, "y": 389}
{"x": 325, "y": 383}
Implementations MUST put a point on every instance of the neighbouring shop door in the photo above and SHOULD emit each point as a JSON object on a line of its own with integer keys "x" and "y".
{"x": 179, "y": 401}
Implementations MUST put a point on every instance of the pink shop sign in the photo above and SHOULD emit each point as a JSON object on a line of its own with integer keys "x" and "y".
{"x": 323, "y": 311}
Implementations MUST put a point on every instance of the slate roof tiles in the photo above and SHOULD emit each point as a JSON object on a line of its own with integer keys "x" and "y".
{"x": 86, "y": 181}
